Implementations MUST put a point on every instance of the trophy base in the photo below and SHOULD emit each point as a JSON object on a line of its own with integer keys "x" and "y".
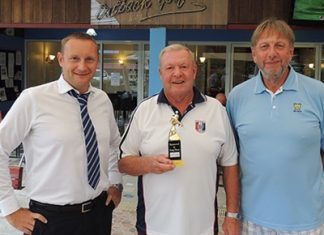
{"x": 178, "y": 162}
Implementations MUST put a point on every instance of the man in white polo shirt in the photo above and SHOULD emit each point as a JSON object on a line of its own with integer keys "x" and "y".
{"x": 176, "y": 196}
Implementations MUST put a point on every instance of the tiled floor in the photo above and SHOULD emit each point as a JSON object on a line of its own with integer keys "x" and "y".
{"x": 124, "y": 215}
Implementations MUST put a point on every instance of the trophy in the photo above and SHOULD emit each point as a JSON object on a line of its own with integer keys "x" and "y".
{"x": 174, "y": 141}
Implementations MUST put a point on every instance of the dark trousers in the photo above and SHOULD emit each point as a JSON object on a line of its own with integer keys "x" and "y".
{"x": 97, "y": 221}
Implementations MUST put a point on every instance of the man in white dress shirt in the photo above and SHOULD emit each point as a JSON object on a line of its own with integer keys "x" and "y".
{"x": 47, "y": 120}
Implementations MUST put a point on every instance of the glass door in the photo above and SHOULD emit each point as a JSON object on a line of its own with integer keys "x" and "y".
{"x": 123, "y": 75}
{"x": 304, "y": 61}
{"x": 242, "y": 64}
{"x": 212, "y": 68}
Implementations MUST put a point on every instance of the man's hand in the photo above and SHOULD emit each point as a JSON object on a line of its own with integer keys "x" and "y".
{"x": 24, "y": 220}
{"x": 141, "y": 165}
{"x": 115, "y": 195}
{"x": 158, "y": 164}
{"x": 231, "y": 226}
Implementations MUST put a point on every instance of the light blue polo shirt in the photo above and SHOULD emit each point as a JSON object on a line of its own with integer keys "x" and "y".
{"x": 280, "y": 136}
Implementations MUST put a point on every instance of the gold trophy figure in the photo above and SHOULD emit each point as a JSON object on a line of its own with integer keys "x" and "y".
{"x": 174, "y": 141}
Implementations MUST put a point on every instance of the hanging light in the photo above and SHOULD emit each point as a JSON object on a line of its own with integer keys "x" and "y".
{"x": 91, "y": 32}
{"x": 202, "y": 59}
{"x": 50, "y": 58}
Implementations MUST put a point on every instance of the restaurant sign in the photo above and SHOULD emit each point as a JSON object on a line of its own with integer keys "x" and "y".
{"x": 159, "y": 12}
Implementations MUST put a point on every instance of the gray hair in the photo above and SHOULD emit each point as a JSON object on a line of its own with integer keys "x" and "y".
{"x": 176, "y": 47}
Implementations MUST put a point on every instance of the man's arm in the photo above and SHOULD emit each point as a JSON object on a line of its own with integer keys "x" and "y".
{"x": 12, "y": 131}
{"x": 232, "y": 188}
{"x": 136, "y": 165}
{"x": 114, "y": 176}
{"x": 13, "y": 128}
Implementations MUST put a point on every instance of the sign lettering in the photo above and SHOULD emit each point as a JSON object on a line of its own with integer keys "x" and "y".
{"x": 135, "y": 6}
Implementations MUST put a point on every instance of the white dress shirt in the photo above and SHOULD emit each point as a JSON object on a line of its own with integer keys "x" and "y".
{"x": 47, "y": 120}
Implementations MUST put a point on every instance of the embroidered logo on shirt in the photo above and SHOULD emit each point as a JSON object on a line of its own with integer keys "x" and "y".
{"x": 297, "y": 107}
{"x": 200, "y": 126}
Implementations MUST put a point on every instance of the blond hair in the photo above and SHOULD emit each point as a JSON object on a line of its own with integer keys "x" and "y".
{"x": 273, "y": 25}
{"x": 77, "y": 35}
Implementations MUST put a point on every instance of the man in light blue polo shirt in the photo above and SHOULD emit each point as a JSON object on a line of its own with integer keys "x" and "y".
{"x": 278, "y": 118}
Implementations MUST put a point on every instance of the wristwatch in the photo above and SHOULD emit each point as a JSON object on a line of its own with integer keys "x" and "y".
{"x": 118, "y": 186}
{"x": 233, "y": 215}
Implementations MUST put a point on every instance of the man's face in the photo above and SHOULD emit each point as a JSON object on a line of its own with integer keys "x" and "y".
{"x": 177, "y": 72}
{"x": 272, "y": 53}
{"x": 79, "y": 61}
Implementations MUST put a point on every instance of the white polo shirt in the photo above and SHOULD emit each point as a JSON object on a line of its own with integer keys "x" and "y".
{"x": 180, "y": 201}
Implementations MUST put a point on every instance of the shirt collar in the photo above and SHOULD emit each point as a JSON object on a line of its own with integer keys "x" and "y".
{"x": 290, "y": 84}
{"x": 197, "y": 98}
{"x": 64, "y": 86}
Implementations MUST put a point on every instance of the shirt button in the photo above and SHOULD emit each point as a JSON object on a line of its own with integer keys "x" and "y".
{"x": 274, "y": 107}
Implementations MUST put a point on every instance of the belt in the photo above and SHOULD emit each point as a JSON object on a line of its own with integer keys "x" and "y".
{"x": 80, "y": 208}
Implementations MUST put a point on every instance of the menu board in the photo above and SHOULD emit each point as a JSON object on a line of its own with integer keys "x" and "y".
{"x": 10, "y": 74}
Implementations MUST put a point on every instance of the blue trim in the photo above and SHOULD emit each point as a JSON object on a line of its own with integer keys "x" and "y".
{"x": 310, "y": 35}
{"x": 236, "y": 35}
{"x": 209, "y": 35}
{"x": 157, "y": 43}
{"x": 232, "y": 35}
{"x": 12, "y": 43}
{"x": 102, "y": 34}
